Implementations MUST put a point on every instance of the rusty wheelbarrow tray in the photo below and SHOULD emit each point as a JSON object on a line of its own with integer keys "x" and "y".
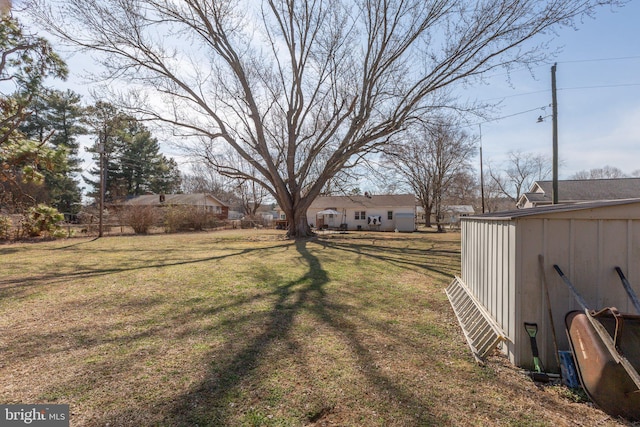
{"x": 606, "y": 350}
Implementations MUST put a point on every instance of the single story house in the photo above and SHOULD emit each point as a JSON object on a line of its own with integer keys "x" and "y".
{"x": 450, "y": 214}
{"x": 235, "y": 215}
{"x": 453, "y": 213}
{"x": 580, "y": 190}
{"x": 388, "y": 212}
{"x": 507, "y": 257}
{"x": 203, "y": 201}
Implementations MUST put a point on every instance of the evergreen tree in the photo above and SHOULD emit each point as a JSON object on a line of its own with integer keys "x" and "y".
{"x": 57, "y": 120}
{"x": 27, "y": 60}
{"x": 106, "y": 123}
{"x": 133, "y": 164}
{"x": 168, "y": 178}
{"x": 142, "y": 168}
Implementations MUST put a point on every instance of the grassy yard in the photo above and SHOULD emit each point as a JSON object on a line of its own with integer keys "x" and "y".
{"x": 245, "y": 328}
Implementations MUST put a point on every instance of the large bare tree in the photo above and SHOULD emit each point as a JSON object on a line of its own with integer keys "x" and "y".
{"x": 431, "y": 159}
{"x": 301, "y": 89}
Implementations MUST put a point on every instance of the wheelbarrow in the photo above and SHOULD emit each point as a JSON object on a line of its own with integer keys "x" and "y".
{"x": 606, "y": 351}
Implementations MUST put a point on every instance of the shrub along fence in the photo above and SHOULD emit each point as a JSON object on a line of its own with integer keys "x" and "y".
{"x": 39, "y": 221}
{"x": 130, "y": 220}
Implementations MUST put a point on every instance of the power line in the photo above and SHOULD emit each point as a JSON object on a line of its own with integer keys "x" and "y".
{"x": 517, "y": 94}
{"x": 571, "y": 61}
{"x": 504, "y": 117}
{"x": 545, "y": 106}
{"x": 576, "y": 61}
{"x": 600, "y": 86}
{"x": 515, "y": 114}
{"x": 620, "y": 58}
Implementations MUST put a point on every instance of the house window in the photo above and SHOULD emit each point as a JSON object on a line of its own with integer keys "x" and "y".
{"x": 389, "y": 214}
{"x": 360, "y": 215}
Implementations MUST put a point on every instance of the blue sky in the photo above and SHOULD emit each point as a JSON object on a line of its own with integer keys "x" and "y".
{"x": 598, "y": 82}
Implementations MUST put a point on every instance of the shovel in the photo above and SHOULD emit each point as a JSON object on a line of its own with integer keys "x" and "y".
{"x": 538, "y": 374}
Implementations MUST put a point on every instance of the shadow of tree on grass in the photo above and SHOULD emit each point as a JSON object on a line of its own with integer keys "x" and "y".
{"x": 211, "y": 402}
{"x": 208, "y": 403}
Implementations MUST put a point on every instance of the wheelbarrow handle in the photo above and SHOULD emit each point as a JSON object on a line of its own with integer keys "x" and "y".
{"x": 629, "y": 289}
{"x": 574, "y": 291}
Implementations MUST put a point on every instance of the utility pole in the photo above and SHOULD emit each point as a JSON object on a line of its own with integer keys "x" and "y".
{"x": 554, "y": 105}
{"x": 481, "y": 173}
{"x": 102, "y": 182}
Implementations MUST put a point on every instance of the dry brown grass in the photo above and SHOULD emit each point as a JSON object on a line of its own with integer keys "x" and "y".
{"x": 245, "y": 328}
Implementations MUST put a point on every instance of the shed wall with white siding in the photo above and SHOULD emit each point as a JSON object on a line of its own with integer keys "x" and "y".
{"x": 500, "y": 266}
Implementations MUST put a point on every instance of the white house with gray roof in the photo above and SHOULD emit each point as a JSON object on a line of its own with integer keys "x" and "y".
{"x": 580, "y": 190}
{"x": 388, "y": 212}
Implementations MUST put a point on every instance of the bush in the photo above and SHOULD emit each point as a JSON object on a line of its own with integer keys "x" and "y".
{"x": 186, "y": 218}
{"x": 43, "y": 220}
{"x": 175, "y": 219}
{"x": 140, "y": 218}
{"x": 5, "y": 227}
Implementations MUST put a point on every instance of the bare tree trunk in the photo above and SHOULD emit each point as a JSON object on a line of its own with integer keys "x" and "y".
{"x": 296, "y": 214}
{"x": 299, "y": 226}
{"x": 427, "y": 216}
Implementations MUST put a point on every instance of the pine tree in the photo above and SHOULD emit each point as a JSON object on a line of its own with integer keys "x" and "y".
{"x": 27, "y": 60}
{"x": 57, "y": 121}
{"x": 133, "y": 163}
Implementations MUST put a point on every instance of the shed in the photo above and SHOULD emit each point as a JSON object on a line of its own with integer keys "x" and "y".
{"x": 406, "y": 222}
{"x": 453, "y": 213}
{"x": 501, "y": 270}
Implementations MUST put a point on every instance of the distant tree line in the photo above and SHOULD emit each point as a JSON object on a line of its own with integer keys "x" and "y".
{"x": 606, "y": 172}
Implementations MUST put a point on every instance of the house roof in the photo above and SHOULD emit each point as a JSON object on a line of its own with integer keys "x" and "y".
{"x": 585, "y": 189}
{"x": 538, "y": 197}
{"x": 363, "y": 202}
{"x": 547, "y": 209}
{"x": 197, "y": 199}
{"x": 463, "y": 209}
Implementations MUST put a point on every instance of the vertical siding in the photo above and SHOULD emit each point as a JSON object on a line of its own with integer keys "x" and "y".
{"x": 488, "y": 254}
{"x": 530, "y": 303}
{"x": 584, "y": 268}
{"x": 557, "y": 248}
{"x": 513, "y": 300}
{"x": 631, "y": 266}
{"x": 618, "y": 236}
